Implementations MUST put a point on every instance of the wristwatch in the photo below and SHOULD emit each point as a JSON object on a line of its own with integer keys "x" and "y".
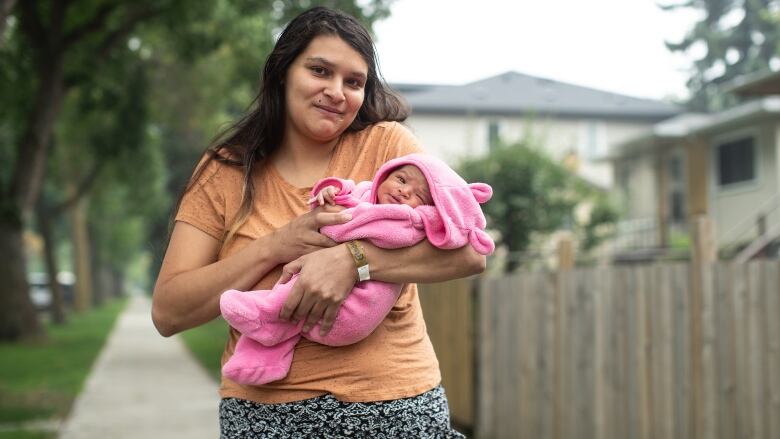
{"x": 359, "y": 255}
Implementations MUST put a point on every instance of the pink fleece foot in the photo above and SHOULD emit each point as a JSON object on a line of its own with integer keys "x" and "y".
{"x": 255, "y": 364}
{"x": 255, "y": 315}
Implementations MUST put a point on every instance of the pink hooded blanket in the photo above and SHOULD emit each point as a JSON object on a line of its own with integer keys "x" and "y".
{"x": 264, "y": 351}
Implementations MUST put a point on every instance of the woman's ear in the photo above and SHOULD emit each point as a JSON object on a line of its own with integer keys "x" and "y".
{"x": 481, "y": 191}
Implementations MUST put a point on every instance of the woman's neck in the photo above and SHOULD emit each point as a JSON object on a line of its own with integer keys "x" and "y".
{"x": 303, "y": 162}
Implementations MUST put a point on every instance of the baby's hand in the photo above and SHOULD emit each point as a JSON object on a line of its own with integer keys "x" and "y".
{"x": 326, "y": 195}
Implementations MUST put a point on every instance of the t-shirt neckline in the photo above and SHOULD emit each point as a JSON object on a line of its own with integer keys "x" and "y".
{"x": 328, "y": 171}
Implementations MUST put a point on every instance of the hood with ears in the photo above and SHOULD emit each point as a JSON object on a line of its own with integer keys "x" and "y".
{"x": 457, "y": 203}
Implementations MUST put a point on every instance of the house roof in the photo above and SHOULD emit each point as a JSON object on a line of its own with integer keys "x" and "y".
{"x": 515, "y": 93}
{"x": 761, "y": 83}
{"x": 691, "y": 124}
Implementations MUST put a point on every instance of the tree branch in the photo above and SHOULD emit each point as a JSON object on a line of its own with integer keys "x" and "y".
{"x": 97, "y": 23}
{"x": 118, "y": 35}
{"x": 84, "y": 186}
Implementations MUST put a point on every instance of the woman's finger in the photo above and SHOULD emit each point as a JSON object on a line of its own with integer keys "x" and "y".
{"x": 292, "y": 302}
{"x": 290, "y": 270}
{"x": 303, "y": 310}
{"x": 314, "y": 316}
{"x": 328, "y": 318}
{"x": 322, "y": 219}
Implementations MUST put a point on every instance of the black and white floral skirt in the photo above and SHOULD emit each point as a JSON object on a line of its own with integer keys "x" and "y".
{"x": 422, "y": 416}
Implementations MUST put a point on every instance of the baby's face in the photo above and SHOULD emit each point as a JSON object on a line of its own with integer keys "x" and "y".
{"x": 404, "y": 185}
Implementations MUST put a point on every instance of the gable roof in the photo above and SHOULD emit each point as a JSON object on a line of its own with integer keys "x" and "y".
{"x": 691, "y": 124}
{"x": 761, "y": 83}
{"x": 514, "y": 93}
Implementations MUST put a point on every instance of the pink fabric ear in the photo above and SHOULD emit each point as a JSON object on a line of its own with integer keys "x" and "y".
{"x": 481, "y": 242}
{"x": 482, "y": 192}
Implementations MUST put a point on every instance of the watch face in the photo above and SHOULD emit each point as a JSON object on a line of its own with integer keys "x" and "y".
{"x": 363, "y": 273}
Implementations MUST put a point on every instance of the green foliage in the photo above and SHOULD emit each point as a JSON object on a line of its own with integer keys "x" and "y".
{"x": 25, "y": 434}
{"x": 740, "y": 37}
{"x": 206, "y": 342}
{"x": 41, "y": 379}
{"x": 534, "y": 195}
{"x": 531, "y": 193}
{"x": 596, "y": 229}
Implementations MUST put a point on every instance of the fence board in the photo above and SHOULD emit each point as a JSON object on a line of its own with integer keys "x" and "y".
{"x": 663, "y": 376}
{"x": 755, "y": 306}
{"x": 604, "y": 391}
{"x": 546, "y": 355}
{"x": 724, "y": 324}
{"x": 622, "y": 376}
{"x": 772, "y": 316}
{"x": 739, "y": 290}
{"x": 682, "y": 352}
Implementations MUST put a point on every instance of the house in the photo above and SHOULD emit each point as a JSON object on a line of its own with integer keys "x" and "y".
{"x": 724, "y": 166}
{"x": 574, "y": 124}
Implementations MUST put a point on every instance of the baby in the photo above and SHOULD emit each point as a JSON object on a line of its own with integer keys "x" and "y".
{"x": 411, "y": 198}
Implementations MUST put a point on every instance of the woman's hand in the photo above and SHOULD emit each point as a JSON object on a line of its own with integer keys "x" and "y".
{"x": 325, "y": 279}
{"x": 301, "y": 236}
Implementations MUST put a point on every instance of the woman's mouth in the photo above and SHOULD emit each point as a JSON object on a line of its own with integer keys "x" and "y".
{"x": 329, "y": 110}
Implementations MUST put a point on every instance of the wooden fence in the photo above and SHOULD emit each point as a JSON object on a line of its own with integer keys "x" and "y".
{"x": 658, "y": 351}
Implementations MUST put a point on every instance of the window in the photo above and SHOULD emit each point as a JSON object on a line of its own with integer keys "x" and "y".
{"x": 736, "y": 161}
{"x": 675, "y": 168}
{"x": 678, "y": 207}
{"x": 677, "y": 189}
{"x": 493, "y": 134}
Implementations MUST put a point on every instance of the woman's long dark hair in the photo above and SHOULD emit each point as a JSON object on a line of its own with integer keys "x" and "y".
{"x": 259, "y": 133}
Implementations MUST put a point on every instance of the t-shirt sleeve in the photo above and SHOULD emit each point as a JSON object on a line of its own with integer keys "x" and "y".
{"x": 203, "y": 205}
{"x": 400, "y": 142}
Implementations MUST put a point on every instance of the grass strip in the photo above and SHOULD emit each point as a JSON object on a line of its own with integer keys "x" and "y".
{"x": 206, "y": 342}
{"x": 39, "y": 380}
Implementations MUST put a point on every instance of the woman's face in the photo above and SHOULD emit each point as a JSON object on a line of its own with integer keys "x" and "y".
{"x": 324, "y": 89}
{"x": 405, "y": 185}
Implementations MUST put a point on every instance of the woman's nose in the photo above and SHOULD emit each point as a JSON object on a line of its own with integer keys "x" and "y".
{"x": 335, "y": 92}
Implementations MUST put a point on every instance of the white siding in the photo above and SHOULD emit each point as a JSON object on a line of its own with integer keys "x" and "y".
{"x": 452, "y": 137}
{"x": 735, "y": 209}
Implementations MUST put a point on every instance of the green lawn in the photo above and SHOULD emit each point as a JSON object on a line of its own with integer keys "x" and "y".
{"x": 207, "y": 343}
{"x": 40, "y": 380}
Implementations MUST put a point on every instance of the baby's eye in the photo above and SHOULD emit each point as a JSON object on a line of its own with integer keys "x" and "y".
{"x": 401, "y": 179}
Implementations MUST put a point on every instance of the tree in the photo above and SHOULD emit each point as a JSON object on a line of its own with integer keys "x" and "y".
{"x": 51, "y": 47}
{"x": 532, "y": 194}
{"x": 739, "y": 37}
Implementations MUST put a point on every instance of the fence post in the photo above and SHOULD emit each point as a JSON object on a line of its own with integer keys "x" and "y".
{"x": 704, "y": 255}
{"x": 565, "y": 251}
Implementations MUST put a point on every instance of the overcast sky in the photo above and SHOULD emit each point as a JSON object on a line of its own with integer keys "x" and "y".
{"x": 612, "y": 45}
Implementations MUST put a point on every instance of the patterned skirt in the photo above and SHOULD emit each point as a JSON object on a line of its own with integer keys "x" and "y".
{"x": 422, "y": 416}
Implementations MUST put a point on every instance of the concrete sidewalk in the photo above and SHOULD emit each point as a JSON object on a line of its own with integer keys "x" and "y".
{"x": 144, "y": 386}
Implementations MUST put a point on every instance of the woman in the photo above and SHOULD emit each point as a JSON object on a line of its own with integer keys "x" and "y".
{"x": 243, "y": 221}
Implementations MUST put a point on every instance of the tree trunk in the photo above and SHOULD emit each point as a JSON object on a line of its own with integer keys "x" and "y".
{"x": 118, "y": 283}
{"x": 31, "y": 152}
{"x": 18, "y": 318}
{"x": 49, "y": 246}
{"x": 81, "y": 250}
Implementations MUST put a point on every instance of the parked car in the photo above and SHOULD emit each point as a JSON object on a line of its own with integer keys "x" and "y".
{"x": 40, "y": 292}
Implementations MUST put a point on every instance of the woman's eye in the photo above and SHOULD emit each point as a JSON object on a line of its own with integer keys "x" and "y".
{"x": 318, "y": 70}
{"x": 355, "y": 83}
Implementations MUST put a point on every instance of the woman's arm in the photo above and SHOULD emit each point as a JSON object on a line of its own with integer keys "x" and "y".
{"x": 191, "y": 279}
{"x": 326, "y": 277}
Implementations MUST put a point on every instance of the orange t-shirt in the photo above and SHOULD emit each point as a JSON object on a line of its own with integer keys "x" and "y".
{"x": 397, "y": 360}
